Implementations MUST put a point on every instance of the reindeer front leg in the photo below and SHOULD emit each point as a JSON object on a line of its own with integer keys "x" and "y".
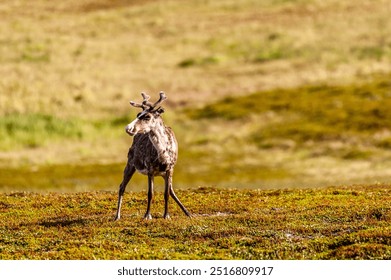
{"x": 128, "y": 173}
{"x": 148, "y": 215}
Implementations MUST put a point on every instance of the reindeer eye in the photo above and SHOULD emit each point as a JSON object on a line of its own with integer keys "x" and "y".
{"x": 143, "y": 116}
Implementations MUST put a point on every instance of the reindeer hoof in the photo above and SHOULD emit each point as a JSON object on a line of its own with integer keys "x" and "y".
{"x": 147, "y": 217}
{"x": 166, "y": 216}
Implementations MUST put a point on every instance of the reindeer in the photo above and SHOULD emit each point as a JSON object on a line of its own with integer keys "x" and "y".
{"x": 154, "y": 152}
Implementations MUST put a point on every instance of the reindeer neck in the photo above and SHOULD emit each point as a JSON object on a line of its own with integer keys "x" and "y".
{"x": 163, "y": 143}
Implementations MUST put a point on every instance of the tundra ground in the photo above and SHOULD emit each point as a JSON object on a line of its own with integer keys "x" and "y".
{"x": 329, "y": 223}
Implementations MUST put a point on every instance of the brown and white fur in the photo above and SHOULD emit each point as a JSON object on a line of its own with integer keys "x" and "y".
{"x": 154, "y": 152}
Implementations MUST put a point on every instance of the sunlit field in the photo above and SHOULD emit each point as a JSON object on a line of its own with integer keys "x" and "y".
{"x": 69, "y": 69}
{"x": 327, "y": 223}
{"x": 268, "y": 99}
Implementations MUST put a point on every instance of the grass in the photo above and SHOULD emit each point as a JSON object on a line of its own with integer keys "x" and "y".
{"x": 51, "y": 60}
{"x": 284, "y": 95}
{"x": 356, "y": 107}
{"x": 18, "y": 131}
{"x": 62, "y": 177}
{"x": 316, "y": 113}
{"x": 32, "y": 130}
{"x": 330, "y": 223}
{"x": 319, "y": 125}
{"x": 279, "y": 136}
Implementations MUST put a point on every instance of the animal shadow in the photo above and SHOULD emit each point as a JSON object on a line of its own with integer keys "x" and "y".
{"x": 63, "y": 222}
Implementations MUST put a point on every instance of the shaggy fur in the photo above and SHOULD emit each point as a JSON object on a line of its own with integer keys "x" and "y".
{"x": 154, "y": 152}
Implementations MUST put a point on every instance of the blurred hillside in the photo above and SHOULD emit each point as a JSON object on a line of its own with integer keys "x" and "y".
{"x": 69, "y": 69}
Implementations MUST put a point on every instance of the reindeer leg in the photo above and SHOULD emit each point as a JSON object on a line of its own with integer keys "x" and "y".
{"x": 179, "y": 202}
{"x": 128, "y": 173}
{"x": 166, "y": 194}
{"x": 170, "y": 191}
{"x": 148, "y": 215}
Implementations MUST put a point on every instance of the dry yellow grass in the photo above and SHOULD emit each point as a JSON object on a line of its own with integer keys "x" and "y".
{"x": 89, "y": 57}
{"x": 85, "y": 59}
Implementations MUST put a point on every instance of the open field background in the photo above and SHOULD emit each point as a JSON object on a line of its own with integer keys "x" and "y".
{"x": 300, "y": 89}
{"x": 277, "y": 98}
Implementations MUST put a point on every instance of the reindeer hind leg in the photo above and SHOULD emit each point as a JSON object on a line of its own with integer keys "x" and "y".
{"x": 169, "y": 191}
{"x": 179, "y": 202}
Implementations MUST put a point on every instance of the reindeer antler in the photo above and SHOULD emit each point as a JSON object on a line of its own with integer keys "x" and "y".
{"x": 161, "y": 99}
{"x": 146, "y": 103}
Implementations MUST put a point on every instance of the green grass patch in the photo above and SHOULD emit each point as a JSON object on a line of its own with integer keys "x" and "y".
{"x": 376, "y": 52}
{"x": 331, "y": 223}
{"x": 35, "y": 53}
{"x": 384, "y": 143}
{"x": 354, "y": 107}
{"x": 95, "y": 176}
{"x": 310, "y": 113}
{"x": 33, "y": 130}
{"x": 65, "y": 177}
{"x": 37, "y": 130}
{"x": 209, "y": 60}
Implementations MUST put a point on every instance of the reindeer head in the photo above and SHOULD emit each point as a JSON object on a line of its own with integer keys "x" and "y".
{"x": 148, "y": 118}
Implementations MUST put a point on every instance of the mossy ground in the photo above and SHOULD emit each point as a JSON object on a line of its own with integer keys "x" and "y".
{"x": 333, "y": 223}
{"x": 262, "y": 94}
